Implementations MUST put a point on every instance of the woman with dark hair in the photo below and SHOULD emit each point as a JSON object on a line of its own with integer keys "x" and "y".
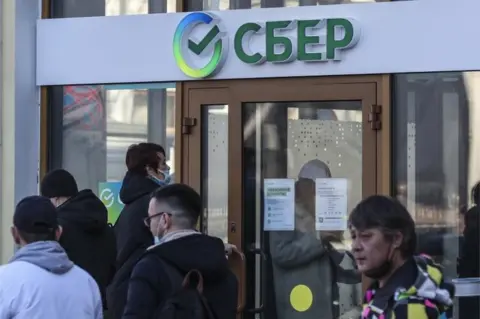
{"x": 383, "y": 244}
{"x": 146, "y": 171}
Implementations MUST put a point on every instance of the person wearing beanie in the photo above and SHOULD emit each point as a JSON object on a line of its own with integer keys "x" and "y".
{"x": 40, "y": 281}
{"x": 58, "y": 185}
{"x": 87, "y": 237}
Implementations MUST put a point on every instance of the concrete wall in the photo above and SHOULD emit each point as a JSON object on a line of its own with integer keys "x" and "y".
{"x": 20, "y": 112}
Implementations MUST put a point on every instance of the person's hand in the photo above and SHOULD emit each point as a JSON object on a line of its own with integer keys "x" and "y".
{"x": 332, "y": 236}
{"x": 230, "y": 249}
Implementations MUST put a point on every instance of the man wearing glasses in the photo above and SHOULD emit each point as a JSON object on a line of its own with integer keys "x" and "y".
{"x": 173, "y": 213}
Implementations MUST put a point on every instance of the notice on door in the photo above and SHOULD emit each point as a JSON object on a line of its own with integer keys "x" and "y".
{"x": 279, "y": 201}
{"x": 331, "y": 204}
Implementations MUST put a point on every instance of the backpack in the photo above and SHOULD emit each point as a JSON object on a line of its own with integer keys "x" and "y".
{"x": 188, "y": 301}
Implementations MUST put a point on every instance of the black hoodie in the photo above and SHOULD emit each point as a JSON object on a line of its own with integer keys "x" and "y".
{"x": 132, "y": 236}
{"x": 87, "y": 238}
{"x": 150, "y": 283}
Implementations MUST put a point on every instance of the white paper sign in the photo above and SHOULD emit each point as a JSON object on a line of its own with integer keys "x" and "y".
{"x": 331, "y": 204}
{"x": 279, "y": 204}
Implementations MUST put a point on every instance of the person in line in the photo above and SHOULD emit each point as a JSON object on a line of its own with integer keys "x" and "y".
{"x": 87, "y": 238}
{"x": 173, "y": 213}
{"x": 146, "y": 171}
{"x": 404, "y": 286}
{"x": 40, "y": 281}
{"x": 469, "y": 261}
{"x": 307, "y": 257}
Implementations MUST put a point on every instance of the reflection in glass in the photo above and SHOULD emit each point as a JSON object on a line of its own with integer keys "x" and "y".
{"x": 215, "y": 170}
{"x": 94, "y": 8}
{"x": 100, "y": 122}
{"x": 198, "y": 5}
{"x": 301, "y": 141}
{"x": 437, "y": 164}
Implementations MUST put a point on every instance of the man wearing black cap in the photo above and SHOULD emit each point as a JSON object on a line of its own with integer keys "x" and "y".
{"x": 40, "y": 281}
{"x": 87, "y": 238}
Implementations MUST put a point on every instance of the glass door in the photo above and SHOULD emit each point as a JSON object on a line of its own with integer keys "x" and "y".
{"x": 280, "y": 164}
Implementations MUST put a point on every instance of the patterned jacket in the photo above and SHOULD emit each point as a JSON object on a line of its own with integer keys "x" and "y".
{"x": 429, "y": 297}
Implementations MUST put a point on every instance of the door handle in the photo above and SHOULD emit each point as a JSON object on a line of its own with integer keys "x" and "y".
{"x": 263, "y": 255}
{"x": 241, "y": 286}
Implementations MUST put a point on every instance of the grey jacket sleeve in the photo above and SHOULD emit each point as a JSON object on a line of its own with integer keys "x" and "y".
{"x": 293, "y": 249}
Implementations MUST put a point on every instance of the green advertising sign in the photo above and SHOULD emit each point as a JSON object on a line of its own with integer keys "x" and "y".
{"x": 315, "y": 40}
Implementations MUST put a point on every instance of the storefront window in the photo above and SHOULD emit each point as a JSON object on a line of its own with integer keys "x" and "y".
{"x": 199, "y": 5}
{"x": 95, "y": 8}
{"x": 92, "y": 125}
{"x": 437, "y": 164}
{"x": 96, "y": 123}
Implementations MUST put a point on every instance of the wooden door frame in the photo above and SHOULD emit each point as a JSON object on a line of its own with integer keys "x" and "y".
{"x": 236, "y": 92}
{"x": 383, "y": 83}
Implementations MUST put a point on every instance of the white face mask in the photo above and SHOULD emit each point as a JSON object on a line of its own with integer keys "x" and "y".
{"x": 157, "y": 239}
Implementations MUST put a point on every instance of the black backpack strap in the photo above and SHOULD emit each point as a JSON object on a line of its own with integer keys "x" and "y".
{"x": 178, "y": 282}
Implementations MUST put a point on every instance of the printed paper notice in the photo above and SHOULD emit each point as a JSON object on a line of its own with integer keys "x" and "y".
{"x": 331, "y": 204}
{"x": 279, "y": 200}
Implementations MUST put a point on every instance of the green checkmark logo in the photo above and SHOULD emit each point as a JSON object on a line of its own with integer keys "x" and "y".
{"x": 199, "y": 47}
{"x": 190, "y": 54}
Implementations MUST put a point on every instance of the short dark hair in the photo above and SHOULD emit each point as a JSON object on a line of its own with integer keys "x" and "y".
{"x": 182, "y": 199}
{"x": 34, "y": 237}
{"x": 143, "y": 155}
{"x": 389, "y": 215}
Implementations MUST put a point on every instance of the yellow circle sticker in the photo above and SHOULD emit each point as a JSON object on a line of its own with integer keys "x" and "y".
{"x": 301, "y": 298}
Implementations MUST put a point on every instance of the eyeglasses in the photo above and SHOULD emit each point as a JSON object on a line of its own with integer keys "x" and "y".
{"x": 147, "y": 220}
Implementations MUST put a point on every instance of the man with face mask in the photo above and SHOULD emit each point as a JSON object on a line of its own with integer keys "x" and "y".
{"x": 40, "y": 281}
{"x": 87, "y": 238}
{"x": 173, "y": 213}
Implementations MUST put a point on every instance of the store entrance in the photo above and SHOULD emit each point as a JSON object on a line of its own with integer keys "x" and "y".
{"x": 279, "y": 164}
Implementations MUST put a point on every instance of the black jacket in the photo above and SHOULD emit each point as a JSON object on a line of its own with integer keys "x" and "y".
{"x": 87, "y": 238}
{"x": 150, "y": 285}
{"x": 469, "y": 263}
{"x": 132, "y": 236}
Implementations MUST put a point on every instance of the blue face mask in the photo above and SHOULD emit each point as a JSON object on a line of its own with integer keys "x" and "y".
{"x": 167, "y": 178}
{"x": 156, "y": 240}
{"x": 162, "y": 182}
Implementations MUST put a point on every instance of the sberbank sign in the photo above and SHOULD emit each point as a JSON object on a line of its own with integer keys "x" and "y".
{"x": 282, "y": 41}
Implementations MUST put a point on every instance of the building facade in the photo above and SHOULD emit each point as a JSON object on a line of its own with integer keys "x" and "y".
{"x": 368, "y": 98}
{"x": 20, "y": 111}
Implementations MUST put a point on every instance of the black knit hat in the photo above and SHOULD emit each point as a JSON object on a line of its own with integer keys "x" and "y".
{"x": 58, "y": 183}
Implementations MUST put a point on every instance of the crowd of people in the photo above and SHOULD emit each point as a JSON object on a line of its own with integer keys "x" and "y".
{"x": 72, "y": 264}
{"x": 153, "y": 263}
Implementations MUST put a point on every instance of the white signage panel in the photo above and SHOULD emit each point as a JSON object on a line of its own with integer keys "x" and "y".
{"x": 279, "y": 201}
{"x": 331, "y": 202}
{"x": 371, "y": 38}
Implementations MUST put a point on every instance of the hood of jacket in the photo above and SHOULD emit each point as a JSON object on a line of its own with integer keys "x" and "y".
{"x": 48, "y": 255}
{"x": 86, "y": 211}
{"x": 135, "y": 186}
{"x": 195, "y": 251}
